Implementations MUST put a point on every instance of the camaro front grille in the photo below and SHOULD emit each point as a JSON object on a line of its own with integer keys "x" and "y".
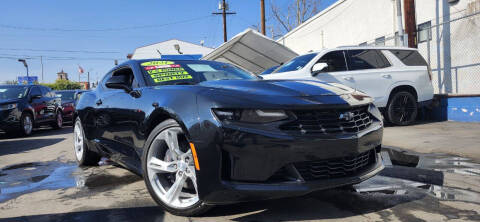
{"x": 329, "y": 121}
{"x": 335, "y": 168}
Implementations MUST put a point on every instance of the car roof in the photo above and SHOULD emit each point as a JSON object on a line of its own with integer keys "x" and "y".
{"x": 12, "y": 86}
{"x": 364, "y": 47}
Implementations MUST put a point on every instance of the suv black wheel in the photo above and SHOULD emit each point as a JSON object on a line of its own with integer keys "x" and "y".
{"x": 84, "y": 156}
{"x": 402, "y": 109}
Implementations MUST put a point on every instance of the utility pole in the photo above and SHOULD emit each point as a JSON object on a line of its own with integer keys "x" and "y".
{"x": 224, "y": 7}
{"x": 410, "y": 22}
{"x": 41, "y": 62}
{"x": 262, "y": 9}
{"x": 399, "y": 22}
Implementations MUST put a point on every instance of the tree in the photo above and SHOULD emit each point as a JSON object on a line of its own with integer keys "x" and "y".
{"x": 296, "y": 12}
{"x": 63, "y": 84}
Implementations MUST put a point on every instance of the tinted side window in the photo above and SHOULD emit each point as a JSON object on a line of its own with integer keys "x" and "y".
{"x": 410, "y": 57}
{"x": 45, "y": 92}
{"x": 35, "y": 91}
{"x": 335, "y": 61}
{"x": 296, "y": 63}
{"x": 366, "y": 59}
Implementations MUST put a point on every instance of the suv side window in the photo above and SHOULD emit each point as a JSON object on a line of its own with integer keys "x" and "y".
{"x": 35, "y": 91}
{"x": 335, "y": 61}
{"x": 366, "y": 59}
{"x": 45, "y": 92}
{"x": 410, "y": 57}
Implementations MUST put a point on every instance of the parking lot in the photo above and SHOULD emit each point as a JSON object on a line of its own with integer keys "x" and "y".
{"x": 40, "y": 181}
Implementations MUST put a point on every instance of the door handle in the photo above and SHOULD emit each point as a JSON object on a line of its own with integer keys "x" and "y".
{"x": 349, "y": 78}
{"x": 99, "y": 102}
{"x": 387, "y": 76}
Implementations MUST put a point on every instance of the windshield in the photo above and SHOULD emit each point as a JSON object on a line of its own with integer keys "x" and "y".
{"x": 65, "y": 95}
{"x": 296, "y": 63}
{"x": 161, "y": 72}
{"x": 13, "y": 92}
{"x": 269, "y": 70}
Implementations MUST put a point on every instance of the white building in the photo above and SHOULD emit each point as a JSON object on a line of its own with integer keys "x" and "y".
{"x": 170, "y": 47}
{"x": 455, "y": 34}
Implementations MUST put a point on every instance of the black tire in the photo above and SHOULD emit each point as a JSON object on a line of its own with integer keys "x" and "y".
{"x": 402, "y": 109}
{"x": 24, "y": 120}
{"x": 87, "y": 157}
{"x": 58, "y": 122}
{"x": 198, "y": 208}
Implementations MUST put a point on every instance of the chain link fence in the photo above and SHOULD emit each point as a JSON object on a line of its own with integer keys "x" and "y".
{"x": 453, "y": 56}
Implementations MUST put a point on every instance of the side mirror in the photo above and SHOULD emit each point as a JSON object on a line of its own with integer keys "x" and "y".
{"x": 37, "y": 96}
{"x": 118, "y": 82}
{"x": 319, "y": 68}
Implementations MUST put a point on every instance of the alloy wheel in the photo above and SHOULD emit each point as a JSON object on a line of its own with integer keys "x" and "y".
{"x": 403, "y": 109}
{"x": 78, "y": 140}
{"x": 59, "y": 120}
{"x": 171, "y": 169}
{"x": 27, "y": 125}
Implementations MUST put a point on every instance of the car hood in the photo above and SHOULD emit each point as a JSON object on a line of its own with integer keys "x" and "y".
{"x": 7, "y": 101}
{"x": 294, "y": 88}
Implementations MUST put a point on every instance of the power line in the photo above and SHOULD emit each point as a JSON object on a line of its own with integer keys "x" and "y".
{"x": 55, "y": 50}
{"x": 100, "y": 30}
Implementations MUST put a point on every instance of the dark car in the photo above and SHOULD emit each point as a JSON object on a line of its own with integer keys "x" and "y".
{"x": 69, "y": 100}
{"x": 204, "y": 133}
{"x": 23, "y": 107}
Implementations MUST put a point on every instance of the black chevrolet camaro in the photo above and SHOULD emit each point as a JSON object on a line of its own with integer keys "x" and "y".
{"x": 204, "y": 133}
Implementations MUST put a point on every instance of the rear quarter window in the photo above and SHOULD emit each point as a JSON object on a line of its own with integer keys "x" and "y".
{"x": 410, "y": 57}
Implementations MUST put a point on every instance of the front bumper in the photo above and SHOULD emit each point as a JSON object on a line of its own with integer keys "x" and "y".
{"x": 250, "y": 159}
{"x": 68, "y": 113}
{"x": 9, "y": 120}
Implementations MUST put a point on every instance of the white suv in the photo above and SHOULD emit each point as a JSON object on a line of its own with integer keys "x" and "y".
{"x": 398, "y": 79}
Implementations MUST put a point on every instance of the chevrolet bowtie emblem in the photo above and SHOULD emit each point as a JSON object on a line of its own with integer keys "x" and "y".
{"x": 346, "y": 116}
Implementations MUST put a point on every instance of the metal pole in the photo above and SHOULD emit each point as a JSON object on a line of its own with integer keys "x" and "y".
{"x": 41, "y": 62}
{"x": 262, "y": 9}
{"x": 399, "y": 22}
{"x": 27, "y": 72}
{"x": 88, "y": 80}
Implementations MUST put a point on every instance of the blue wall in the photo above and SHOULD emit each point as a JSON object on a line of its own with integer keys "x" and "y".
{"x": 462, "y": 109}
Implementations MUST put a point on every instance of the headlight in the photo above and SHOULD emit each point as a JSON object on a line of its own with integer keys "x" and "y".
{"x": 250, "y": 115}
{"x": 8, "y": 106}
{"x": 375, "y": 112}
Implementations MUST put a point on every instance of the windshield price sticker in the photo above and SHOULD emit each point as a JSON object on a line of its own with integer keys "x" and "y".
{"x": 163, "y": 71}
{"x": 157, "y": 63}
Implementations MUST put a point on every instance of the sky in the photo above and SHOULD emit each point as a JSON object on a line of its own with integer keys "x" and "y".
{"x": 93, "y": 33}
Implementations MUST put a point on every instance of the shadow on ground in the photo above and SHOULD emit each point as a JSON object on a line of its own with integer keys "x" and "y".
{"x": 16, "y": 144}
{"x": 147, "y": 214}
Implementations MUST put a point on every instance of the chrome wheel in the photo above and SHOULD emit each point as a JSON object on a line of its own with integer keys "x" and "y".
{"x": 171, "y": 169}
{"x": 78, "y": 140}
{"x": 27, "y": 124}
{"x": 59, "y": 120}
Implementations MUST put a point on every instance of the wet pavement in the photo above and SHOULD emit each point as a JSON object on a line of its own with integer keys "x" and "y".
{"x": 413, "y": 187}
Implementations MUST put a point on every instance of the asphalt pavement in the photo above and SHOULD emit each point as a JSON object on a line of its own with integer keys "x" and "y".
{"x": 39, "y": 181}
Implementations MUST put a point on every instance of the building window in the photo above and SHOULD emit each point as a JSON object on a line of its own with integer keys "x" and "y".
{"x": 423, "y": 32}
{"x": 380, "y": 41}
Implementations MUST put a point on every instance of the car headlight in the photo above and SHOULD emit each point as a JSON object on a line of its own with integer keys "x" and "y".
{"x": 375, "y": 112}
{"x": 250, "y": 115}
{"x": 8, "y": 106}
